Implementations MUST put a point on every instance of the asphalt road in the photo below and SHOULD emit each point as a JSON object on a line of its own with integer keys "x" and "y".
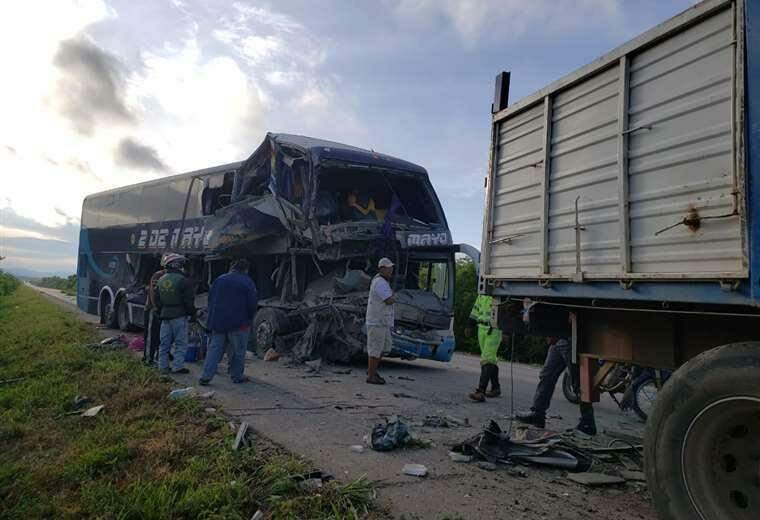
{"x": 320, "y": 415}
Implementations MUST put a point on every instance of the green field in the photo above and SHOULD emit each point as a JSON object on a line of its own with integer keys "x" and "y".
{"x": 143, "y": 456}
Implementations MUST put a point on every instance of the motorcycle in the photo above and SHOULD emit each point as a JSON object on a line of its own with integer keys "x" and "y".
{"x": 639, "y": 387}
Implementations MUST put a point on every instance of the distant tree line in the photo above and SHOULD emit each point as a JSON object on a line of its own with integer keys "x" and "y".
{"x": 66, "y": 285}
{"x": 527, "y": 349}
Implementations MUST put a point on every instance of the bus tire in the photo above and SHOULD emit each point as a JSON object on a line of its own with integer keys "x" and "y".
{"x": 122, "y": 315}
{"x": 107, "y": 312}
{"x": 701, "y": 442}
{"x": 267, "y": 325}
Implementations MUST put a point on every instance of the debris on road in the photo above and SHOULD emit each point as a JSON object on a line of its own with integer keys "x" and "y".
{"x": 634, "y": 476}
{"x": 357, "y": 448}
{"x": 403, "y": 395}
{"x": 439, "y": 421}
{"x": 391, "y": 435}
{"x": 595, "y": 479}
{"x": 182, "y": 393}
{"x": 487, "y": 466}
{"x": 459, "y": 457}
{"x": 414, "y": 470}
{"x": 493, "y": 445}
{"x": 404, "y": 378}
{"x": 207, "y": 395}
{"x": 271, "y": 355}
{"x": 240, "y": 438}
{"x": 92, "y": 412}
{"x": 313, "y": 366}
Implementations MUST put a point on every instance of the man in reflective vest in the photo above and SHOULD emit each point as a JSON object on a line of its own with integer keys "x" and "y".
{"x": 489, "y": 339}
{"x": 176, "y": 302}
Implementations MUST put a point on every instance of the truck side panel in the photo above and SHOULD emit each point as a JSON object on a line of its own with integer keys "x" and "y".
{"x": 588, "y": 179}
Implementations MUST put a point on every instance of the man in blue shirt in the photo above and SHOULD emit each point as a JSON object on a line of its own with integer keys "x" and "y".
{"x": 232, "y": 305}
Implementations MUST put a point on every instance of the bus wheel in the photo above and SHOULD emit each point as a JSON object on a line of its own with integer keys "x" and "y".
{"x": 107, "y": 312}
{"x": 702, "y": 446}
{"x": 267, "y": 325}
{"x": 122, "y": 315}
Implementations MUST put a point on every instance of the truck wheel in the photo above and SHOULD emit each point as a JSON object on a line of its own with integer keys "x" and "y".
{"x": 569, "y": 390}
{"x": 702, "y": 446}
{"x": 267, "y": 325}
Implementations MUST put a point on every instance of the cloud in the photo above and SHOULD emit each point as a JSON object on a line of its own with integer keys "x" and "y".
{"x": 132, "y": 154}
{"x": 90, "y": 91}
{"x": 475, "y": 20}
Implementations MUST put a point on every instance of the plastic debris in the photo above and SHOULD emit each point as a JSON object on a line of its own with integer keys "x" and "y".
{"x": 258, "y": 515}
{"x": 80, "y": 401}
{"x": 459, "y": 457}
{"x": 415, "y": 470}
{"x": 92, "y": 412}
{"x": 207, "y": 395}
{"x": 391, "y": 435}
{"x": 357, "y": 448}
{"x": 271, "y": 355}
{"x": 182, "y": 393}
{"x": 209, "y": 410}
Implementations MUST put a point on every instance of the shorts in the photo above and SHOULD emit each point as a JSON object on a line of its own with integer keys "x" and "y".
{"x": 379, "y": 341}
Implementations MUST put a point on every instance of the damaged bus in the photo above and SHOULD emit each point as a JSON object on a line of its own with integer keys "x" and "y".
{"x": 312, "y": 217}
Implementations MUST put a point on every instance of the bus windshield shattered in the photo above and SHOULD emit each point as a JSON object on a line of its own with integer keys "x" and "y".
{"x": 312, "y": 217}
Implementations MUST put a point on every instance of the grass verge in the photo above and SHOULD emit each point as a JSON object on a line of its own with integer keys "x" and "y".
{"x": 143, "y": 456}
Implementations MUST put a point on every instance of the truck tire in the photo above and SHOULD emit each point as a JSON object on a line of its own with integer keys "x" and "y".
{"x": 267, "y": 325}
{"x": 702, "y": 447}
{"x": 569, "y": 390}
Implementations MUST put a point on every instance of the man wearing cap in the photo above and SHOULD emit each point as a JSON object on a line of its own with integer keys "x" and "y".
{"x": 175, "y": 299}
{"x": 232, "y": 304}
{"x": 379, "y": 319}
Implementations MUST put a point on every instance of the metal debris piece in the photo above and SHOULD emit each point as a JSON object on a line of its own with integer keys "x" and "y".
{"x": 595, "y": 479}
{"x": 414, "y": 470}
{"x": 92, "y": 412}
{"x": 240, "y": 437}
{"x": 357, "y": 448}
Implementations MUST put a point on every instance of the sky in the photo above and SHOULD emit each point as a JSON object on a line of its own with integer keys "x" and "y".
{"x": 104, "y": 93}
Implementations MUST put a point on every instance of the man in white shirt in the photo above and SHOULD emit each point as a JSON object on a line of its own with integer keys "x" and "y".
{"x": 379, "y": 320}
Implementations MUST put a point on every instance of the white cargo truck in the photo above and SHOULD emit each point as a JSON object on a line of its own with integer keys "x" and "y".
{"x": 622, "y": 210}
